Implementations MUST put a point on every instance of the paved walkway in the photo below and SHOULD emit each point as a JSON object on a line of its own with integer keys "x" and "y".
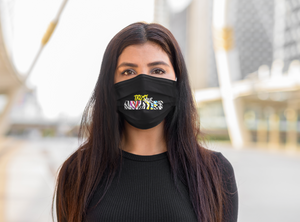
{"x": 30, "y": 180}
{"x": 268, "y": 183}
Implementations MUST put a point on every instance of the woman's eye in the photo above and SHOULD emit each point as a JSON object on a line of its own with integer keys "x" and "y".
{"x": 128, "y": 72}
{"x": 158, "y": 71}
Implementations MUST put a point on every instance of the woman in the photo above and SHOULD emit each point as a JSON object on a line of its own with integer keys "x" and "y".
{"x": 142, "y": 160}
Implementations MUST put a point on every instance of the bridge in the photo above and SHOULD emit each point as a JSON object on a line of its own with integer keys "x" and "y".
{"x": 12, "y": 82}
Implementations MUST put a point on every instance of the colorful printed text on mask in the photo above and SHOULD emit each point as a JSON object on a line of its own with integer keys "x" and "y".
{"x": 143, "y": 102}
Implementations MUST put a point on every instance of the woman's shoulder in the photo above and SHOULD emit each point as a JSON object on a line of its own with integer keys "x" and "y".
{"x": 223, "y": 163}
{"x": 75, "y": 156}
{"x": 227, "y": 171}
{"x": 69, "y": 168}
{"x": 230, "y": 186}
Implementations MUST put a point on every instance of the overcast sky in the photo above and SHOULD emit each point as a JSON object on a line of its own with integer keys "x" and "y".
{"x": 67, "y": 70}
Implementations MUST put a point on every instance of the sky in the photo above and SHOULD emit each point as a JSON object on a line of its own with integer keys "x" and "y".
{"x": 67, "y": 70}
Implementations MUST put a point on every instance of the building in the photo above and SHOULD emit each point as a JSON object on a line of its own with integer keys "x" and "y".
{"x": 264, "y": 65}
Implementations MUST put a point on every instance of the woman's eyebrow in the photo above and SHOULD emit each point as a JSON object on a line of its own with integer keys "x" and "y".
{"x": 127, "y": 64}
{"x": 157, "y": 63}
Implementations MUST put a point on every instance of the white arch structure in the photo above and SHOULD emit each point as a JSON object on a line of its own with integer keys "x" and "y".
{"x": 226, "y": 60}
{"x": 11, "y": 81}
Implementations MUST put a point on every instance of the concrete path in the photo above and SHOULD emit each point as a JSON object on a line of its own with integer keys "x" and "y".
{"x": 268, "y": 183}
{"x": 30, "y": 181}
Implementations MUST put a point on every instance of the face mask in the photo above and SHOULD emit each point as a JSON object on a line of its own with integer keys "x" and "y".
{"x": 144, "y": 101}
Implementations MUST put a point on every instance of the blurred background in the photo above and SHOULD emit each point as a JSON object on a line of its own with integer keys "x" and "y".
{"x": 243, "y": 59}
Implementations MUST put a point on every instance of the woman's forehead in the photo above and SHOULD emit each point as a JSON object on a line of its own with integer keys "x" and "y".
{"x": 146, "y": 52}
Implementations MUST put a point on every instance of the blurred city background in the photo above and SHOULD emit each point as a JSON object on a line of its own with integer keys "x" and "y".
{"x": 243, "y": 59}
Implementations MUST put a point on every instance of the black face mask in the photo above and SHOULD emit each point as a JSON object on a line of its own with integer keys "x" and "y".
{"x": 144, "y": 101}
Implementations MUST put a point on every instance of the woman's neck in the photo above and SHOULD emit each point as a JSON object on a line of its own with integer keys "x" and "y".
{"x": 144, "y": 142}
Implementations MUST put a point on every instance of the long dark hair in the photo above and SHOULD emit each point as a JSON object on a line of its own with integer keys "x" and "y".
{"x": 99, "y": 156}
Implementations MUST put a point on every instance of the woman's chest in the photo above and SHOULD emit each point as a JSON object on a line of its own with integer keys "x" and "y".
{"x": 142, "y": 194}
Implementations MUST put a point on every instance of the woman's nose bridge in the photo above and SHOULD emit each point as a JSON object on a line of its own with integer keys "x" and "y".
{"x": 143, "y": 70}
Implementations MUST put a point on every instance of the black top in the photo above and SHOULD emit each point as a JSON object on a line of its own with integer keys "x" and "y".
{"x": 146, "y": 192}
